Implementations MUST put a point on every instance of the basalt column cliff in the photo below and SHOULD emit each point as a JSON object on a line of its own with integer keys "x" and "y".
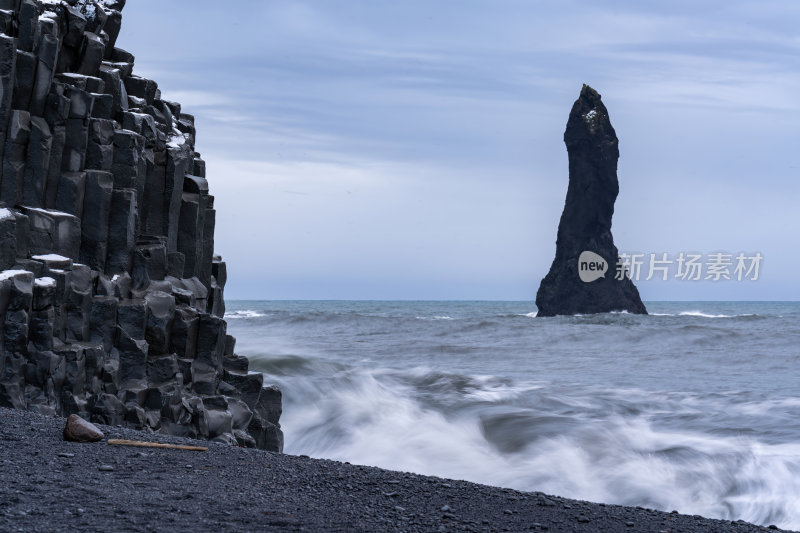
{"x": 584, "y": 233}
{"x": 111, "y": 297}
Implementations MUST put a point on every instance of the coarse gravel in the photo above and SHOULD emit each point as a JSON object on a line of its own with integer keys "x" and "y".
{"x": 50, "y": 485}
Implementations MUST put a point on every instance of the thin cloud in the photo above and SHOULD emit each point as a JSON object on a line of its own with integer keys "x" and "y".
{"x": 408, "y": 143}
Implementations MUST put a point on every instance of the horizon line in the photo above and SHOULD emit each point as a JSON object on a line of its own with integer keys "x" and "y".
{"x": 475, "y": 300}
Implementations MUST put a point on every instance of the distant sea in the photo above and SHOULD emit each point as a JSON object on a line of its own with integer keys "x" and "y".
{"x": 695, "y": 407}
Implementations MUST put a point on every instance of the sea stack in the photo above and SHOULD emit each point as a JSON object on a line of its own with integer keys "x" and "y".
{"x": 583, "y": 277}
{"x": 111, "y": 294}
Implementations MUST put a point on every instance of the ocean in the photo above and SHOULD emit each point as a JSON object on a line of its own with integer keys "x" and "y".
{"x": 694, "y": 408}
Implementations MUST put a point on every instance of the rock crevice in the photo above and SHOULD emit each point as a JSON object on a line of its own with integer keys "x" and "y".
{"x": 111, "y": 297}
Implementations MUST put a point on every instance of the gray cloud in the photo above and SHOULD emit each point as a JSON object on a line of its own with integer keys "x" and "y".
{"x": 376, "y": 149}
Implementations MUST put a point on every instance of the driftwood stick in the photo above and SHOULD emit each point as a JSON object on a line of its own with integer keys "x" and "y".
{"x": 123, "y": 442}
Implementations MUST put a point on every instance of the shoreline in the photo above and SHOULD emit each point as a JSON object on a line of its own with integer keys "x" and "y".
{"x": 53, "y": 485}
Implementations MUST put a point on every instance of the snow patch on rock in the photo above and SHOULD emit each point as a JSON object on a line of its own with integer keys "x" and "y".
{"x": 8, "y": 274}
{"x": 50, "y": 257}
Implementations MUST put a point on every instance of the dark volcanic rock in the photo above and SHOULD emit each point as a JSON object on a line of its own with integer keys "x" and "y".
{"x": 111, "y": 295}
{"x": 79, "y": 430}
{"x": 585, "y": 224}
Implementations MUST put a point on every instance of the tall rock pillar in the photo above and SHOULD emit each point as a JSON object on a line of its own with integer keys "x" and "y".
{"x": 581, "y": 282}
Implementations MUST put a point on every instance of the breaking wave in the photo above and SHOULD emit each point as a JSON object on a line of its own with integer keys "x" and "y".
{"x": 669, "y": 412}
{"x": 244, "y": 313}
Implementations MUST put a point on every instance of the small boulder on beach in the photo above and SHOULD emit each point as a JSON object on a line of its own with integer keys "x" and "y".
{"x": 79, "y": 430}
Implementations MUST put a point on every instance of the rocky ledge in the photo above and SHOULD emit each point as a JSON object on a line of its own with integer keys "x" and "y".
{"x": 52, "y": 485}
{"x": 111, "y": 297}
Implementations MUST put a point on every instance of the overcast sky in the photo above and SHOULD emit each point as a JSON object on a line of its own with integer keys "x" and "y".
{"x": 384, "y": 149}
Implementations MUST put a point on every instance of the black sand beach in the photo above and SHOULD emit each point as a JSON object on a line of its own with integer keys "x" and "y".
{"x": 48, "y": 484}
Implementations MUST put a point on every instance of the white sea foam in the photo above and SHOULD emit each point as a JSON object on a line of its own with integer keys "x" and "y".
{"x": 442, "y": 317}
{"x": 704, "y": 315}
{"x": 245, "y": 313}
{"x": 701, "y": 314}
{"x": 497, "y": 392}
{"x": 763, "y": 408}
{"x": 616, "y": 459}
{"x": 636, "y": 412}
